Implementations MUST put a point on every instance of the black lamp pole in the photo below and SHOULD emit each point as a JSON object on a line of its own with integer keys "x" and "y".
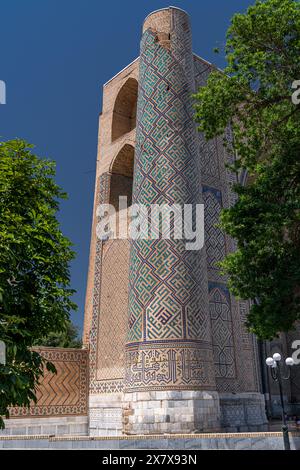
{"x": 275, "y": 365}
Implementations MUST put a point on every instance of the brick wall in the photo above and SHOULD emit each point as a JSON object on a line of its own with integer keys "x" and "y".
{"x": 64, "y": 393}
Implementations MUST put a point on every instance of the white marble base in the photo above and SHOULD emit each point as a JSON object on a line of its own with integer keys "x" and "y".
{"x": 56, "y": 426}
{"x": 238, "y": 441}
{"x": 106, "y": 414}
{"x": 171, "y": 412}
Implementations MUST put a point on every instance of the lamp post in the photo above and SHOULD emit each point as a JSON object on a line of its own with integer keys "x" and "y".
{"x": 275, "y": 365}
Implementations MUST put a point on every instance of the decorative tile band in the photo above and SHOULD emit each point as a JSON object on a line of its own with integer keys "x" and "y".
{"x": 166, "y": 367}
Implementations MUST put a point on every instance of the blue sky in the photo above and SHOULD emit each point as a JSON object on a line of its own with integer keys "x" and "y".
{"x": 55, "y": 57}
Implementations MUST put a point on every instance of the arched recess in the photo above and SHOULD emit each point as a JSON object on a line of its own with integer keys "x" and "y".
{"x": 122, "y": 176}
{"x": 124, "y": 113}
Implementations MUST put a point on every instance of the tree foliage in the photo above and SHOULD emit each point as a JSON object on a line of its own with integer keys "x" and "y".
{"x": 253, "y": 96}
{"x": 68, "y": 338}
{"x": 35, "y": 296}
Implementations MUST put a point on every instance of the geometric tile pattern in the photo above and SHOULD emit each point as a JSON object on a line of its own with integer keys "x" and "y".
{"x": 222, "y": 332}
{"x": 215, "y": 239}
{"x": 217, "y": 182}
{"x": 168, "y": 292}
{"x": 246, "y": 336}
{"x": 209, "y": 157}
{"x": 64, "y": 393}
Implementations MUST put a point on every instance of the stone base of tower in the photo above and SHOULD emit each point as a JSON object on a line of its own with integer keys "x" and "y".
{"x": 175, "y": 412}
{"x": 106, "y": 414}
{"x": 171, "y": 412}
{"x": 241, "y": 412}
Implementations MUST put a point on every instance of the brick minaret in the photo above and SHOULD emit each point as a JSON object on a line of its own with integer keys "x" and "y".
{"x": 169, "y": 339}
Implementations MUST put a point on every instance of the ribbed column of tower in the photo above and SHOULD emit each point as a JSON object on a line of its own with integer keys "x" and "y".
{"x": 169, "y": 362}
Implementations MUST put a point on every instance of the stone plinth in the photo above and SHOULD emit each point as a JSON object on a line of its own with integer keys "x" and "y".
{"x": 174, "y": 412}
{"x": 243, "y": 412}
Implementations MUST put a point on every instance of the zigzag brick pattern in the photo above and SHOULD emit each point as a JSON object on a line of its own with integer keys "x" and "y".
{"x": 64, "y": 393}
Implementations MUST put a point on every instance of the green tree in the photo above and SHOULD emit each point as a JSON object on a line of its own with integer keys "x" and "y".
{"x": 68, "y": 338}
{"x": 253, "y": 96}
{"x": 35, "y": 296}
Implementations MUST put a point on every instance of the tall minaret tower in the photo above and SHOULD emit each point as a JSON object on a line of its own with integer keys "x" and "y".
{"x": 169, "y": 348}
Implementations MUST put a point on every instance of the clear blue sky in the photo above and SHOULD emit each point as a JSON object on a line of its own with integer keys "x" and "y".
{"x": 55, "y": 57}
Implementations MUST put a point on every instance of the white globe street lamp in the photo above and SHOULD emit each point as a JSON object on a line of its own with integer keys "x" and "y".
{"x": 270, "y": 362}
{"x": 275, "y": 365}
{"x": 277, "y": 357}
{"x": 289, "y": 361}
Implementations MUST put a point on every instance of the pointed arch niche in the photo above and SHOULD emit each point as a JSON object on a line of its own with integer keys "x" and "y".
{"x": 122, "y": 176}
{"x": 124, "y": 112}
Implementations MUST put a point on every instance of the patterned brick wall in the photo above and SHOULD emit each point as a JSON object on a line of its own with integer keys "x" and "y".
{"x": 64, "y": 393}
{"x": 108, "y": 383}
{"x": 113, "y": 311}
